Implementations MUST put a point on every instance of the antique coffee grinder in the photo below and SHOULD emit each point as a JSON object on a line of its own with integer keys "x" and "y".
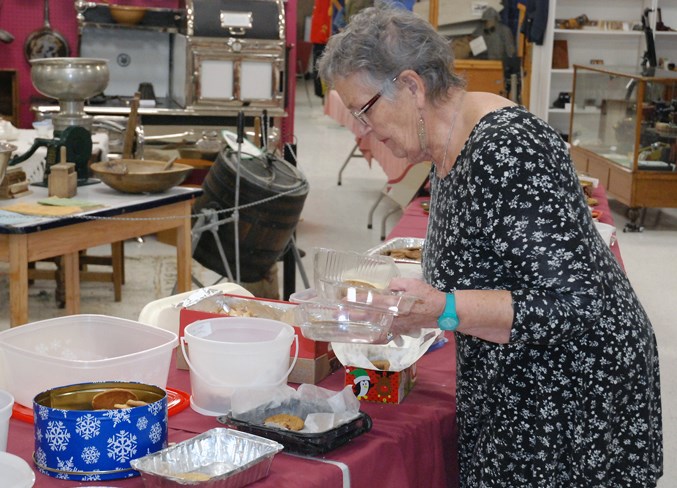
{"x": 71, "y": 81}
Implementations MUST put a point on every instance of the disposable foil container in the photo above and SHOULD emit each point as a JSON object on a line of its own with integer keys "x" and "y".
{"x": 397, "y": 243}
{"x": 218, "y": 458}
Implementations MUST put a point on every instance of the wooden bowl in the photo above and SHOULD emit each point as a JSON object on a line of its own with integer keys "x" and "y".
{"x": 127, "y": 15}
{"x": 195, "y": 153}
{"x": 140, "y": 176}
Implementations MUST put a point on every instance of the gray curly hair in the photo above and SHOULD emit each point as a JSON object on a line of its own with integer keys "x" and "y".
{"x": 382, "y": 41}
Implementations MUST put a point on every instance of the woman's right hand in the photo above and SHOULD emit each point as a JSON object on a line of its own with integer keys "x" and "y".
{"x": 424, "y": 312}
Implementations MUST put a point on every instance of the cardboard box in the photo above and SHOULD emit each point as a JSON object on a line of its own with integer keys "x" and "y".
{"x": 312, "y": 371}
{"x": 316, "y": 360}
{"x": 381, "y": 386}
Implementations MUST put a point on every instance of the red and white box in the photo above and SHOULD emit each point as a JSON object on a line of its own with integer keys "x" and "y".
{"x": 373, "y": 385}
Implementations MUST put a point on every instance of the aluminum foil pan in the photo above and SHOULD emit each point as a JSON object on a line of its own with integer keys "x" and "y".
{"x": 218, "y": 458}
{"x": 398, "y": 243}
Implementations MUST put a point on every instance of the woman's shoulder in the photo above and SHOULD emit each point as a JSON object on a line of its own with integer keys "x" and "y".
{"x": 495, "y": 114}
{"x": 484, "y": 103}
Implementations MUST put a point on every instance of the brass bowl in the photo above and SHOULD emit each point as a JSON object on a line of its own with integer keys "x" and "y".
{"x": 140, "y": 176}
{"x": 127, "y": 15}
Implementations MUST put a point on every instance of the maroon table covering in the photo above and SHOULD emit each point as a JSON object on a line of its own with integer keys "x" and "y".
{"x": 412, "y": 444}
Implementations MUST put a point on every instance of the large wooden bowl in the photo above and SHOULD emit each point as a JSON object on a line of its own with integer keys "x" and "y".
{"x": 123, "y": 14}
{"x": 140, "y": 176}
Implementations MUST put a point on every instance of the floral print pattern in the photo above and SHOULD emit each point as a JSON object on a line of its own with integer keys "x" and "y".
{"x": 574, "y": 399}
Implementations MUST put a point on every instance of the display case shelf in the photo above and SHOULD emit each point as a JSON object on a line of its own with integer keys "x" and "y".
{"x": 591, "y": 33}
{"x": 624, "y": 132}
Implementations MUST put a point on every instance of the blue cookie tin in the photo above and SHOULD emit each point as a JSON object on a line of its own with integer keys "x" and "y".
{"x": 74, "y": 442}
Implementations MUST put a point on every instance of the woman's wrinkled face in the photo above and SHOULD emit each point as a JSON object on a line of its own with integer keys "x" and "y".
{"x": 391, "y": 120}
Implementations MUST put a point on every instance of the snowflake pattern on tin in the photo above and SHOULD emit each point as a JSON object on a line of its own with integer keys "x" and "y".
{"x": 142, "y": 423}
{"x": 122, "y": 446}
{"x": 43, "y": 412}
{"x": 87, "y": 426}
{"x": 155, "y": 433}
{"x": 40, "y": 457}
{"x": 155, "y": 407}
{"x": 57, "y": 435}
{"x": 90, "y": 454}
{"x": 65, "y": 464}
{"x": 98, "y": 445}
{"x": 118, "y": 416}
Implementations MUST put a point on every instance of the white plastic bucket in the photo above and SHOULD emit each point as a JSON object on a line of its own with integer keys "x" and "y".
{"x": 6, "y": 406}
{"x": 607, "y": 231}
{"x": 233, "y": 353}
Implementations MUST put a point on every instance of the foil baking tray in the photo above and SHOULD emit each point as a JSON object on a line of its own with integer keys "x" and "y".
{"x": 398, "y": 243}
{"x": 218, "y": 458}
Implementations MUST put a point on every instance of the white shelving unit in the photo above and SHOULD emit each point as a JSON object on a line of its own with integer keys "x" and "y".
{"x": 613, "y": 47}
{"x": 666, "y": 42}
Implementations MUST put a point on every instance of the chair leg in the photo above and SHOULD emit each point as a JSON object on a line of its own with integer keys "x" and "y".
{"x": 354, "y": 153}
{"x": 118, "y": 263}
{"x": 302, "y": 75}
{"x": 373, "y": 209}
{"x": 383, "y": 222}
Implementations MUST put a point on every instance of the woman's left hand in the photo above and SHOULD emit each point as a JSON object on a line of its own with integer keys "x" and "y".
{"x": 424, "y": 312}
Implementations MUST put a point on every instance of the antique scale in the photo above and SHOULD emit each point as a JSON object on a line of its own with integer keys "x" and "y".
{"x": 71, "y": 81}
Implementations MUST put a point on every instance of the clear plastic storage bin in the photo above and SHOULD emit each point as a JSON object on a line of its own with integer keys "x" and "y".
{"x": 83, "y": 348}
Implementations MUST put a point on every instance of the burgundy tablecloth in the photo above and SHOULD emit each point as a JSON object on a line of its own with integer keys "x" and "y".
{"x": 414, "y": 220}
{"x": 412, "y": 444}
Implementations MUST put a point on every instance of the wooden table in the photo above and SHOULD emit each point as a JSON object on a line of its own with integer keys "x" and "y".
{"x": 122, "y": 217}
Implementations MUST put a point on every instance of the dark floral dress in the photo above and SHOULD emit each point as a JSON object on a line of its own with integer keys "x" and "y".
{"x": 574, "y": 399}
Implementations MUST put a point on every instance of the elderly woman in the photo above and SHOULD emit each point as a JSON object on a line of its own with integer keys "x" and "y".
{"x": 557, "y": 372}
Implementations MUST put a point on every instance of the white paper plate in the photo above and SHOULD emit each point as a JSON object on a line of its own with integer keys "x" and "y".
{"x": 15, "y": 472}
{"x": 249, "y": 150}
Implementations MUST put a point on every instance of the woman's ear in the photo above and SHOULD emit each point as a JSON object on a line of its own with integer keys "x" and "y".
{"x": 414, "y": 84}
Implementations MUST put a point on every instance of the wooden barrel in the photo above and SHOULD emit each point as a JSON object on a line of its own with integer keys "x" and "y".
{"x": 264, "y": 228}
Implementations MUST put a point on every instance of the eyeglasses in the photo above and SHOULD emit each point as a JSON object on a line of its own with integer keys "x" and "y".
{"x": 360, "y": 114}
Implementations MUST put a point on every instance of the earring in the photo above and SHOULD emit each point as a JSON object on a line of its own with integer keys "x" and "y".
{"x": 421, "y": 134}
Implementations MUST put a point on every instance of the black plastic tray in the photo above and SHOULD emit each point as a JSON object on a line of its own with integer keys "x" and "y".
{"x": 300, "y": 443}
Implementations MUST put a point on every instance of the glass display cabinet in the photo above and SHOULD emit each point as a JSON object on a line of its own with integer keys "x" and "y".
{"x": 624, "y": 132}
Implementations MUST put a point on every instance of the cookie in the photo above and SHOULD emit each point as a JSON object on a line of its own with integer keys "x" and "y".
{"x": 360, "y": 283}
{"x": 284, "y": 421}
{"x": 194, "y": 476}
{"x": 382, "y": 364}
{"x": 136, "y": 403}
{"x": 106, "y": 400}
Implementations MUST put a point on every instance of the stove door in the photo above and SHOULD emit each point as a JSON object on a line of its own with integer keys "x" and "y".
{"x": 246, "y": 19}
{"x": 228, "y": 72}
{"x": 134, "y": 56}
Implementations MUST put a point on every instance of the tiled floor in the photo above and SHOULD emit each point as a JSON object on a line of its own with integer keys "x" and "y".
{"x": 336, "y": 216}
